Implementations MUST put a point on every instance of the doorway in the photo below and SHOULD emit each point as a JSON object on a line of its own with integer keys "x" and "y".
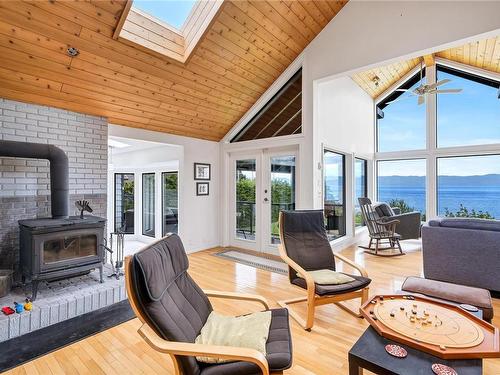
{"x": 263, "y": 184}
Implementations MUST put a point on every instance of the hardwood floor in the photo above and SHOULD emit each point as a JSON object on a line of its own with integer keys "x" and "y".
{"x": 120, "y": 350}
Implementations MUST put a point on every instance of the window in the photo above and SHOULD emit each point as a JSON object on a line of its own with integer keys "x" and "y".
{"x": 170, "y": 202}
{"x": 173, "y": 12}
{"x": 469, "y": 186}
{"x": 148, "y": 204}
{"x": 401, "y": 183}
{"x": 334, "y": 194}
{"x": 471, "y": 117}
{"x": 282, "y": 115}
{"x": 360, "y": 187}
{"x": 403, "y": 125}
{"x": 245, "y": 199}
{"x": 124, "y": 202}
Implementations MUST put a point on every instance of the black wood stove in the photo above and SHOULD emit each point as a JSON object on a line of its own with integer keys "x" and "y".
{"x": 59, "y": 248}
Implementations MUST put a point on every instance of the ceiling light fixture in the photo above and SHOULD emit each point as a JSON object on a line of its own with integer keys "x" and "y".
{"x": 72, "y": 51}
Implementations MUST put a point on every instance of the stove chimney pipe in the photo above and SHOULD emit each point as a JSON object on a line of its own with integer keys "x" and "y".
{"x": 59, "y": 170}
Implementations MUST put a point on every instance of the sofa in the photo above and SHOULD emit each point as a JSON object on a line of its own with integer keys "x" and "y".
{"x": 462, "y": 251}
{"x": 409, "y": 223}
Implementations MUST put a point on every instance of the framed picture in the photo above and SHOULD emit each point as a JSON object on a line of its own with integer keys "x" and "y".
{"x": 201, "y": 171}
{"x": 202, "y": 188}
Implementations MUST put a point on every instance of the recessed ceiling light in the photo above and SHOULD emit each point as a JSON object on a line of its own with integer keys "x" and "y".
{"x": 117, "y": 144}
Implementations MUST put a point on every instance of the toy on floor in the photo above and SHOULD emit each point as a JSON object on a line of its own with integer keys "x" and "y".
{"x": 28, "y": 306}
{"x": 7, "y": 310}
{"x": 19, "y": 307}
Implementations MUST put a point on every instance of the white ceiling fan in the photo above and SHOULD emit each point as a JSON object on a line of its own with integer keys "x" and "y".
{"x": 421, "y": 91}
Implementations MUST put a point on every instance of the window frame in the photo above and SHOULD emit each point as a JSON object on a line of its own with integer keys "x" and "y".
{"x": 365, "y": 190}
{"x": 115, "y": 175}
{"x": 344, "y": 187}
{"x": 162, "y": 213}
{"x": 143, "y": 175}
{"x": 432, "y": 152}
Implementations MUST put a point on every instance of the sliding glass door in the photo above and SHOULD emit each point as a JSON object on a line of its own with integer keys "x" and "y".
{"x": 124, "y": 202}
{"x": 334, "y": 194}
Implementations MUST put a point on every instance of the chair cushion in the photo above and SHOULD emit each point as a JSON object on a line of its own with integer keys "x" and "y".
{"x": 383, "y": 210}
{"x": 246, "y": 331}
{"x": 278, "y": 348}
{"x": 460, "y": 294}
{"x": 467, "y": 223}
{"x": 322, "y": 290}
{"x": 329, "y": 277}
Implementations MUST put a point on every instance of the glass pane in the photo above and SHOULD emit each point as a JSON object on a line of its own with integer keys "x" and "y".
{"x": 471, "y": 117}
{"x": 401, "y": 183}
{"x": 469, "y": 186}
{"x": 282, "y": 114}
{"x": 282, "y": 190}
{"x": 245, "y": 199}
{"x": 361, "y": 189}
{"x": 124, "y": 202}
{"x": 404, "y": 124}
{"x": 148, "y": 204}
{"x": 334, "y": 191}
{"x": 69, "y": 247}
{"x": 170, "y": 202}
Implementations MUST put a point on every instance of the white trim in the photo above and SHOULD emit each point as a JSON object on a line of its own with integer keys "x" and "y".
{"x": 265, "y": 97}
{"x": 468, "y": 69}
{"x": 397, "y": 84}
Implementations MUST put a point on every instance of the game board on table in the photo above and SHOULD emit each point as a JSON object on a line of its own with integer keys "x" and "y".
{"x": 441, "y": 329}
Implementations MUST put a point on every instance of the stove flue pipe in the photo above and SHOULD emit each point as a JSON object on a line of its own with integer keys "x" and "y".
{"x": 59, "y": 170}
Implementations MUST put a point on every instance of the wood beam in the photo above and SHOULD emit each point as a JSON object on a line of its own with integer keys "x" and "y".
{"x": 429, "y": 60}
{"x": 122, "y": 19}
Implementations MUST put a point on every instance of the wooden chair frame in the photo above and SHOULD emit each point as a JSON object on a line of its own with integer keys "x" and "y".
{"x": 311, "y": 298}
{"x": 175, "y": 349}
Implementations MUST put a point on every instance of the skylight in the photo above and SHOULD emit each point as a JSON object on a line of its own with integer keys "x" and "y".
{"x": 172, "y": 12}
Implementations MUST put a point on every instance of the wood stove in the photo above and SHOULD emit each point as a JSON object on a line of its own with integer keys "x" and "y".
{"x": 59, "y": 248}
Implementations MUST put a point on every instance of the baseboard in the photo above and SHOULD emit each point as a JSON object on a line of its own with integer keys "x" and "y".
{"x": 25, "y": 348}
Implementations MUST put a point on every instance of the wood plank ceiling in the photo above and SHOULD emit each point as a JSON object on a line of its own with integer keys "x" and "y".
{"x": 484, "y": 54}
{"x": 246, "y": 47}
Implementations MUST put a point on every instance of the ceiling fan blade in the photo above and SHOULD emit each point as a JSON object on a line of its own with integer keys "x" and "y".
{"x": 448, "y": 91}
{"x": 421, "y": 100}
{"x": 402, "y": 90}
{"x": 439, "y": 83}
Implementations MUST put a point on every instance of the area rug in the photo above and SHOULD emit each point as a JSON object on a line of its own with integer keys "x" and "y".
{"x": 261, "y": 261}
{"x": 24, "y": 348}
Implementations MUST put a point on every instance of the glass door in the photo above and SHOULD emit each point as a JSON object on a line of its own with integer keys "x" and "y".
{"x": 334, "y": 194}
{"x": 263, "y": 185}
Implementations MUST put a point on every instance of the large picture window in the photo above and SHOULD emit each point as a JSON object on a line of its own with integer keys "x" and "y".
{"x": 401, "y": 183}
{"x": 170, "y": 202}
{"x": 124, "y": 202}
{"x": 334, "y": 194}
{"x": 471, "y": 117}
{"x": 403, "y": 125}
{"x": 148, "y": 204}
{"x": 469, "y": 186}
{"x": 360, "y": 187}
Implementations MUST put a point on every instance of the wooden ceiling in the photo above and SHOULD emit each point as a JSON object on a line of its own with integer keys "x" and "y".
{"x": 245, "y": 48}
{"x": 484, "y": 54}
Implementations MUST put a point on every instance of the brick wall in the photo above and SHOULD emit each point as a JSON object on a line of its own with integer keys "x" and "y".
{"x": 25, "y": 183}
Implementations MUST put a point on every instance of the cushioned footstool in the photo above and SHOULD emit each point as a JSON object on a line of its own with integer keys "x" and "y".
{"x": 455, "y": 293}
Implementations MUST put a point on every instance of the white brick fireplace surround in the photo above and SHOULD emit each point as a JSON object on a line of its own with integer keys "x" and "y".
{"x": 24, "y": 183}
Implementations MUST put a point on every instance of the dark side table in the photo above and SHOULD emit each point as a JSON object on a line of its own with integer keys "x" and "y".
{"x": 369, "y": 353}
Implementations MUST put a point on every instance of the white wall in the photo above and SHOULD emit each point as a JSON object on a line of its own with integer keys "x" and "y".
{"x": 199, "y": 216}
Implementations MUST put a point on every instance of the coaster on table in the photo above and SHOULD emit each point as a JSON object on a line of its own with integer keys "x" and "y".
{"x": 396, "y": 351}
{"x": 469, "y": 308}
{"x": 440, "y": 369}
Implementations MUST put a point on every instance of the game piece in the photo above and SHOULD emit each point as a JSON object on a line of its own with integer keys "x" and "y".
{"x": 414, "y": 312}
{"x": 396, "y": 351}
{"x": 392, "y": 297}
{"x": 442, "y": 347}
{"x": 440, "y": 369}
{"x": 469, "y": 308}
{"x": 392, "y": 315}
{"x": 402, "y": 308}
{"x": 371, "y": 312}
{"x": 381, "y": 298}
{"x": 374, "y": 302}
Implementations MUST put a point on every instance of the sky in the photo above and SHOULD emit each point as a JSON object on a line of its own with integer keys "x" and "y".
{"x": 173, "y": 12}
{"x": 471, "y": 117}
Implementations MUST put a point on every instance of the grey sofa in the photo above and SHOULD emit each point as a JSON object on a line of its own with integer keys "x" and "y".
{"x": 409, "y": 223}
{"x": 462, "y": 251}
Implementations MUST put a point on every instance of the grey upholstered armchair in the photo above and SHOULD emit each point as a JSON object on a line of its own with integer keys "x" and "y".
{"x": 173, "y": 310}
{"x": 409, "y": 223}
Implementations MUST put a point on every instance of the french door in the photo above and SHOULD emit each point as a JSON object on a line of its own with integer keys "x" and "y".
{"x": 263, "y": 184}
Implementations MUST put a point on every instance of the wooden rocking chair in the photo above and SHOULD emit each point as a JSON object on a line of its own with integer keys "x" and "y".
{"x": 382, "y": 232}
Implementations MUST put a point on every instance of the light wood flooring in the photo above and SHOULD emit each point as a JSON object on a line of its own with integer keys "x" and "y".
{"x": 120, "y": 350}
